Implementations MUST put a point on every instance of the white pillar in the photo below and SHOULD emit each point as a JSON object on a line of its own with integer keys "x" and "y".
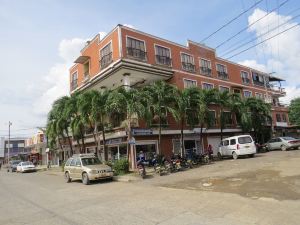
{"x": 126, "y": 80}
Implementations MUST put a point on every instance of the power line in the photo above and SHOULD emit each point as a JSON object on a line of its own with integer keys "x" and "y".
{"x": 261, "y": 35}
{"x": 263, "y": 41}
{"x": 244, "y": 43}
{"x": 250, "y": 25}
{"x": 229, "y": 22}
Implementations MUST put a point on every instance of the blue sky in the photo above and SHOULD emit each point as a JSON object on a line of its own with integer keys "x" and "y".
{"x": 38, "y": 40}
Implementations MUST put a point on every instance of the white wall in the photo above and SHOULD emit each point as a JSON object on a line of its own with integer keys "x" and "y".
{"x": 1, "y": 146}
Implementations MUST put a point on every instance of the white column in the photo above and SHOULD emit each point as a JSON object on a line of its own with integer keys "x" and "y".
{"x": 126, "y": 80}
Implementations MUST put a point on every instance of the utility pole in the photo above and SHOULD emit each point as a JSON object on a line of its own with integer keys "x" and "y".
{"x": 8, "y": 148}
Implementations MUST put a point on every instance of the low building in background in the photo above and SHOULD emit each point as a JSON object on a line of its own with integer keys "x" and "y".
{"x": 16, "y": 150}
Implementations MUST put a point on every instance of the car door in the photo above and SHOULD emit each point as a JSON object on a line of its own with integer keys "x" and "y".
{"x": 232, "y": 146}
{"x": 77, "y": 168}
{"x": 226, "y": 148}
{"x": 271, "y": 144}
{"x": 278, "y": 143}
{"x": 72, "y": 168}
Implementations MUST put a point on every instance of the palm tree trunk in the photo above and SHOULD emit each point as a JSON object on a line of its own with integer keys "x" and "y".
{"x": 159, "y": 136}
{"x": 104, "y": 143}
{"x": 82, "y": 140}
{"x": 69, "y": 140}
{"x": 201, "y": 137}
{"x": 94, "y": 136}
{"x": 79, "y": 145}
{"x": 221, "y": 124}
{"x": 181, "y": 137}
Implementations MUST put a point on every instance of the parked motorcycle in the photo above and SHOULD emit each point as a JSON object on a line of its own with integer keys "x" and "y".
{"x": 141, "y": 169}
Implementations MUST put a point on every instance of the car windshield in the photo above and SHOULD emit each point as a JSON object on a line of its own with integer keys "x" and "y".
{"x": 288, "y": 138}
{"x": 245, "y": 140}
{"x": 90, "y": 161}
{"x": 16, "y": 162}
{"x": 27, "y": 164}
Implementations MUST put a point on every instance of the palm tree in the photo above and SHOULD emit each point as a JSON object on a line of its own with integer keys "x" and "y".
{"x": 129, "y": 102}
{"x": 205, "y": 99}
{"x": 99, "y": 115}
{"x": 223, "y": 100}
{"x": 161, "y": 102}
{"x": 185, "y": 102}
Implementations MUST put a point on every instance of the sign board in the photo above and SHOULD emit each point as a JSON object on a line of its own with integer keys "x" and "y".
{"x": 114, "y": 141}
{"x": 132, "y": 141}
{"x": 142, "y": 132}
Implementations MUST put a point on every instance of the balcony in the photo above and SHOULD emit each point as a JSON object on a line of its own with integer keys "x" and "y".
{"x": 223, "y": 75}
{"x": 188, "y": 66}
{"x": 277, "y": 89}
{"x": 106, "y": 60}
{"x": 205, "y": 71}
{"x": 258, "y": 83}
{"x": 163, "y": 60}
{"x": 136, "y": 53}
{"x": 245, "y": 80}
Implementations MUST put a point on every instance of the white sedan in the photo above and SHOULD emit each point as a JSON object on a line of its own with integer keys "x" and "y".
{"x": 25, "y": 167}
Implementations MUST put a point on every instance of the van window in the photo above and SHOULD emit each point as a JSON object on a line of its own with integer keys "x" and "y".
{"x": 73, "y": 163}
{"x": 68, "y": 162}
{"x": 232, "y": 142}
{"x": 78, "y": 163}
{"x": 226, "y": 142}
{"x": 245, "y": 140}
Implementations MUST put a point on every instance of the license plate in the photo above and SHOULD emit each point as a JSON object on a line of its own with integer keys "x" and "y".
{"x": 247, "y": 146}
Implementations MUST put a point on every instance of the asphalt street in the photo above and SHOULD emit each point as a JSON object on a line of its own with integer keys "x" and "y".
{"x": 263, "y": 190}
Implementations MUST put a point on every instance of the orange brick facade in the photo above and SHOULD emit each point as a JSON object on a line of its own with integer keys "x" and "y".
{"x": 121, "y": 60}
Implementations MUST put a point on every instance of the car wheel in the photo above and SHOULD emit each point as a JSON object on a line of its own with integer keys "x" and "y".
{"x": 85, "y": 179}
{"x": 67, "y": 177}
{"x": 234, "y": 155}
{"x": 283, "y": 148}
{"x": 220, "y": 156}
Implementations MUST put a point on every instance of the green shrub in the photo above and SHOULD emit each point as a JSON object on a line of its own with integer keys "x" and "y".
{"x": 121, "y": 166}
{"x": 63, "y": 166}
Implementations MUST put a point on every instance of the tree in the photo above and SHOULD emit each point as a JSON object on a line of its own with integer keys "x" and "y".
{"x": 128, "y": 101}
{"x": 223, "y": 100}
{"x": 161, "y": 102}
{"x": 186, "y": 101}
{"x": 294, "y": 111}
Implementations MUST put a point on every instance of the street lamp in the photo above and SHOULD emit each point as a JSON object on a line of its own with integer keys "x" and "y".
{"x": 8, "y": 148}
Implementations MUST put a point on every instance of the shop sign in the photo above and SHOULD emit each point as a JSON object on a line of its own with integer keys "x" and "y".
{"x": 131, "y": 141}
{"x": 114, "y": 141}
{"x": 142, "y": 132}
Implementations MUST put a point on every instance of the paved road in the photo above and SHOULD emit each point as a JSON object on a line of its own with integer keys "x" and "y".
{"x": 41, "y": 198}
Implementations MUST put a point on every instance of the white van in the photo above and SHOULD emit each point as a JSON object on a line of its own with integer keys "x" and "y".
{"x": 236, "y": 146}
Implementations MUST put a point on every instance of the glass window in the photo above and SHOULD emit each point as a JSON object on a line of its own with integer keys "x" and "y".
{"x": 245, "y": 77}
{"x": 227, "y": 117}
{"x": 259, "y": 95}
{"x": 212, "y": 115}
{"x": 163, "y": 55}
{"x": 105, "y": 56}
{"x": 205, "y": 67}
{"x": 189, "y": 83}
{"x": 284, "y": 118}
{"x": 232, "y": 142}
{"x": 226, "y": 143}
{"x": 73, "y": 162}
{"x": 136, "y": 48}
{"x": 288, "y": 138}
{"x": 68, "y": 162}
{"x": 78, "y": 162}
{"x": 245, "y": 140}
{"x": 187, "y": 62}
{"x": 258, "y": 79}
{"x": 247, "y": 94}
{"x": 222, "y": 71}
{"x": 223, "y": 89}
{"x": 90, "y": 161}
{"x": 278, "y": 117}
{"x": 74, "y": 78}
{"x": 207, "y": 86}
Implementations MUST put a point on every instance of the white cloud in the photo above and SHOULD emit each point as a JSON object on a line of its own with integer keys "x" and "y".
{"x": 282, "y": 52}
{"x": 56, "y": 82}
{"x": 102, "y": 34}
{"x": 129, "y": 25}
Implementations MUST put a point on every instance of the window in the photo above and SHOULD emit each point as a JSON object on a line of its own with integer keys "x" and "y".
{"x": 207, "y": 86}
{"x": 68, "y": 162}
{"x": 245, "y": 77}
{"x": 187, "y": 62}
{"x": 205, "y": 67}
{"x": 284, "y": 118}
{"x": 105, "y": 56}
{"x": 247, "y": 94}
{"x": 189, "y": 83}
{"x": 74, "y": 79}
{"x": 244, "y": 140}
{"x": 226, "y": 143}
{"x": 258, "y": 79}
{"x": 78, "y": 163}
{"x": 212, "y": 118}
{"x": 237, "y": 91}
{"x": 259, "y": 95}
{"x": 223, "y": 89}
{"x": 163, "y": 55}
{"x": 136, "y": 48}
{"x": 73, "y": 162}
{"x": 278, "y": 117}
{"x": 86, "y": 69}
{"x": 222, "y": 72}
{"x": 227, "y": 118}
{"x": 232, "y": 141}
